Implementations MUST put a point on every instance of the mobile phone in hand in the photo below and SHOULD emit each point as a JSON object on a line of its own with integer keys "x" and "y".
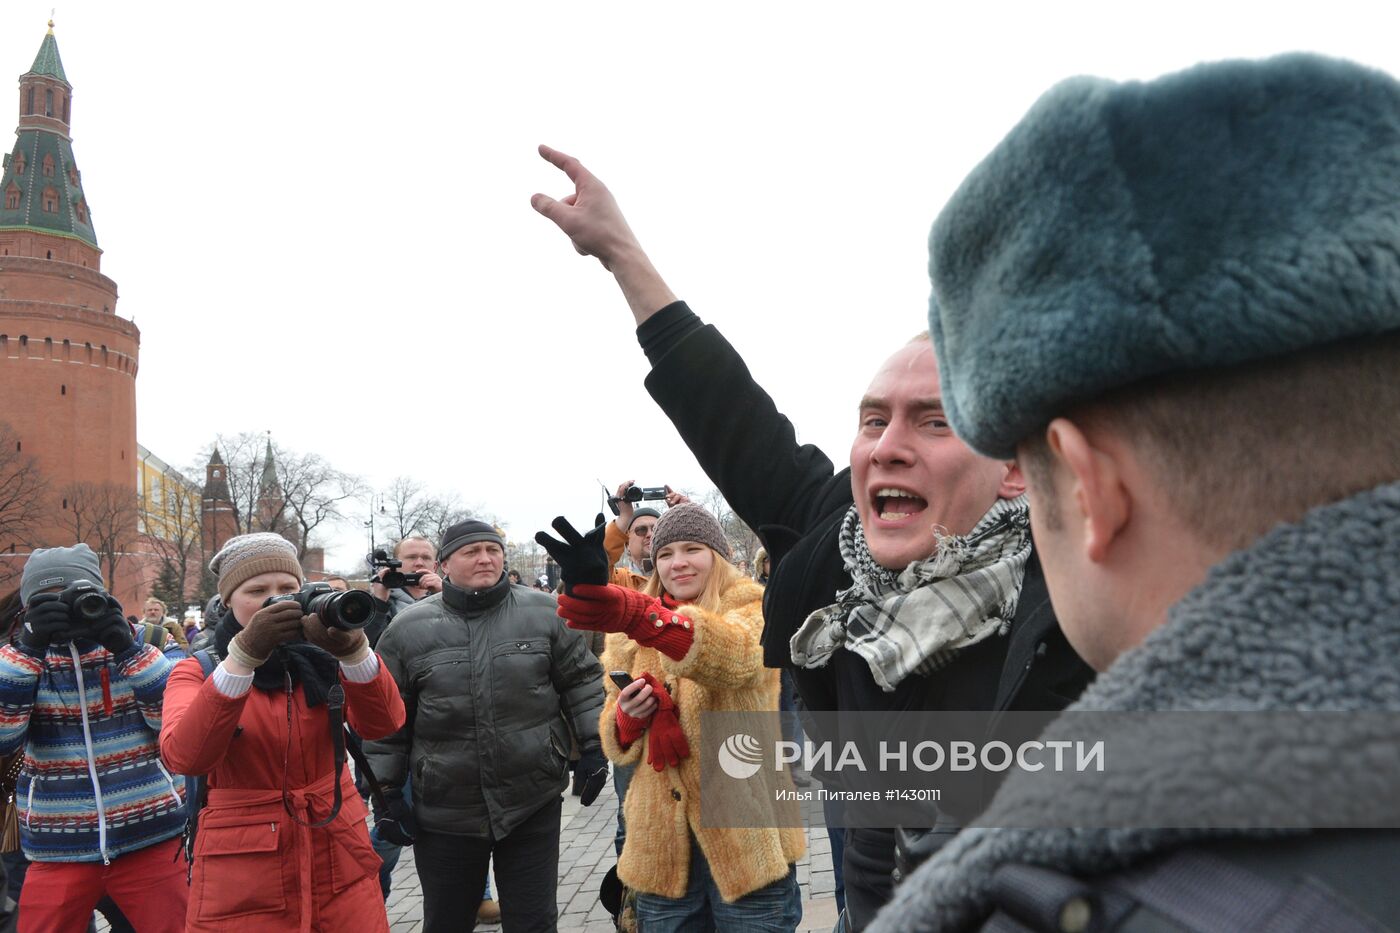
{"x": 621, "y": 678}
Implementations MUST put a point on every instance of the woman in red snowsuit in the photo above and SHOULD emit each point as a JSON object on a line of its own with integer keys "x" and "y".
{"x": 260, "y": 727}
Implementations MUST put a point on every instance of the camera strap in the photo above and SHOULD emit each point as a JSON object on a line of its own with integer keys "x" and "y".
{"x": 335, "y": 715}
{"x": 376, "y": 792}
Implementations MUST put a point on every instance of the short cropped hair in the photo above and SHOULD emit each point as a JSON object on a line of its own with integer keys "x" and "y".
{"x": 405, "y": 540}
{"x": 1239, "y": 450}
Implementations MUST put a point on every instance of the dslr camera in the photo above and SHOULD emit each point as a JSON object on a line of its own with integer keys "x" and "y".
{"x": 636, "y": 494}
{"x": 86, "y": 602}
{"x": 349, "y": 611}
{"x": 394, "y": 579}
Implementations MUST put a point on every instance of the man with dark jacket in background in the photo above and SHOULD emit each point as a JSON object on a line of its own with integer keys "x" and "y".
{"x": 486, "y": 671}
{"x": 1198, "y": 279}
{"x": 418, "y": 556}
{"x": 906, "y": 582}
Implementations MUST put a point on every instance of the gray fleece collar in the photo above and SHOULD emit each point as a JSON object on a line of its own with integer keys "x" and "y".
{"x": 1299, "y": 621}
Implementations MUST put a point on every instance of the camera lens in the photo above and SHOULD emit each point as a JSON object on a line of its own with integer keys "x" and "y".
{"x": 90, "y": 607}
{"x": 349, "y": 610}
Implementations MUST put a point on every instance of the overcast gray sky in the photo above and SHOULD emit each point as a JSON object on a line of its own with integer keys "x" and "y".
{"x": 318, "y": 214}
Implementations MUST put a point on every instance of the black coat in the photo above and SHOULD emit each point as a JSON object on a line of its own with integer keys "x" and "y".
{"x": 795, "y": 500}
{"x": 793, "y": 497}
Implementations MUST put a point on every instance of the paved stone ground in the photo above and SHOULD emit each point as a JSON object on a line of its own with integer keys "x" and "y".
{"x": 586, "y": 854}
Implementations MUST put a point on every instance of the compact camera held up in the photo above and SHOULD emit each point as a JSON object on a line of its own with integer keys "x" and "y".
{"x": 394, "y": 578}
{"x": 349, "y": 611}
{"x": 636, "y": 494}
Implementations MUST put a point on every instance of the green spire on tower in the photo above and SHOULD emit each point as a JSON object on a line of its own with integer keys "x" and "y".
{"x": 40, "y": 186}
{"x": 47, "y": 61}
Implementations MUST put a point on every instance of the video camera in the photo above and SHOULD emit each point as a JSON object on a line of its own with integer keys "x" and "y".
{"x": 636, "y": 494}
{"x": 349, "y": 610}
{"x": 395, "y": 579}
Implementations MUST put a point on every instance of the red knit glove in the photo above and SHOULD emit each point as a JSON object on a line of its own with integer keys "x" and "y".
{"x": 603, "y": 608}
{"x": 643, "y": 618}
{"x": 666, "y": 744}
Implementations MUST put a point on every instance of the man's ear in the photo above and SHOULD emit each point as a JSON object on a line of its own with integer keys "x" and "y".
{"x": 1013, "y": 484}
{"x": 1103, "y": 501}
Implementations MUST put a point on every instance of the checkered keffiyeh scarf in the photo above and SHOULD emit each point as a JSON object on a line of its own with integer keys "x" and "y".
{"x": 916, "y": 621}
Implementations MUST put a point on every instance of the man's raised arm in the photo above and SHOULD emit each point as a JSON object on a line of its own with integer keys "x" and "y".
{"x": 592, "y": 221}
{"x": 744, "y": 444}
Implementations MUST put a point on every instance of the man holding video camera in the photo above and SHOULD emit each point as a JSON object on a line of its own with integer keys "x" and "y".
{"x": 98, "y": 812}
{"x": 495, "y": 688}
{"x": 402, "y": 580}
{"x": 630, "y": 532}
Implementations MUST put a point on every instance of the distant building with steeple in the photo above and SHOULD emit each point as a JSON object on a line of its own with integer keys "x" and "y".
{"x": 271, "y": 512}
{"x": 221, "y": 520}
{"x": 218, "y": 517}
{"x": 67, "y": 362}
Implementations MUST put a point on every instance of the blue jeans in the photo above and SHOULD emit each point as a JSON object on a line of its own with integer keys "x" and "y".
{"x": 776, "y": 908}
{"x": 622, "y": 776}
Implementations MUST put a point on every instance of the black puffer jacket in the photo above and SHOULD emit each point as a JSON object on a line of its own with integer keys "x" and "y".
{"x": 494, "y": 684}
{"x": 793, "y": 497}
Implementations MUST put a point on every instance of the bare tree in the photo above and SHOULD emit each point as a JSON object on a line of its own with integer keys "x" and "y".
{"x": 527, "y": 557}
{"x": 406, "y": 508}
{"x": 23, "y": 495}
{"x": 410, "y": 509}
{"x": 243, "y": 465}
{"x": 175, "y": 530}
{"x": 314, "y": 493}
{"x": 276, "y": 490}
{"x": 446, "y": 511}
{"x": 104, "y": 517}
{"x": 743, "y": 543}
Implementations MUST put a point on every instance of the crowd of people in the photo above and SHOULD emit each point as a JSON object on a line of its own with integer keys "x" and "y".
{"x": 1146, "y": 459}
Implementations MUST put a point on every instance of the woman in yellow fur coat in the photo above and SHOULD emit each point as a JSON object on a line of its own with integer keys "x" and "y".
{"x": 691, "y": 644}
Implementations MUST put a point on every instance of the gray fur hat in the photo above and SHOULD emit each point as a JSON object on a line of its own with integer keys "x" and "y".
{"x": 689, "y": 522}
{"x": 1231, "y": 212}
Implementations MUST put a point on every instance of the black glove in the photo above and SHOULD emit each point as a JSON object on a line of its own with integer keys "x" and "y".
{"x": 46, "y": 621}
{"x": 112, "y": 631}
{"x": 581, "y": 558}
{"x": 592, "y": 770}
{"x": 396, "y": 824}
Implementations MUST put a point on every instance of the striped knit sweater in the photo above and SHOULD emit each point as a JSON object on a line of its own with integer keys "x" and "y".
{"x": 89, "y": 790}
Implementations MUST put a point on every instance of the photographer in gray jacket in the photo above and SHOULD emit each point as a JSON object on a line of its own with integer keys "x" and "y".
{"x": 494, "y": 685}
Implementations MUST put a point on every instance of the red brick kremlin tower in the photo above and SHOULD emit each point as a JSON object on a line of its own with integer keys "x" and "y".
{"x": 67, "y": 361}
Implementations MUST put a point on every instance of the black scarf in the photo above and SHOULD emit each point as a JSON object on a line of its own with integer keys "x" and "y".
{"x": 314, "y": 669}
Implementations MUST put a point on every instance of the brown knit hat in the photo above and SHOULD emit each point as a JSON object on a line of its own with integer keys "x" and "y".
{"x": 246, "y": 556}
{"x": 689, "y": 522}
